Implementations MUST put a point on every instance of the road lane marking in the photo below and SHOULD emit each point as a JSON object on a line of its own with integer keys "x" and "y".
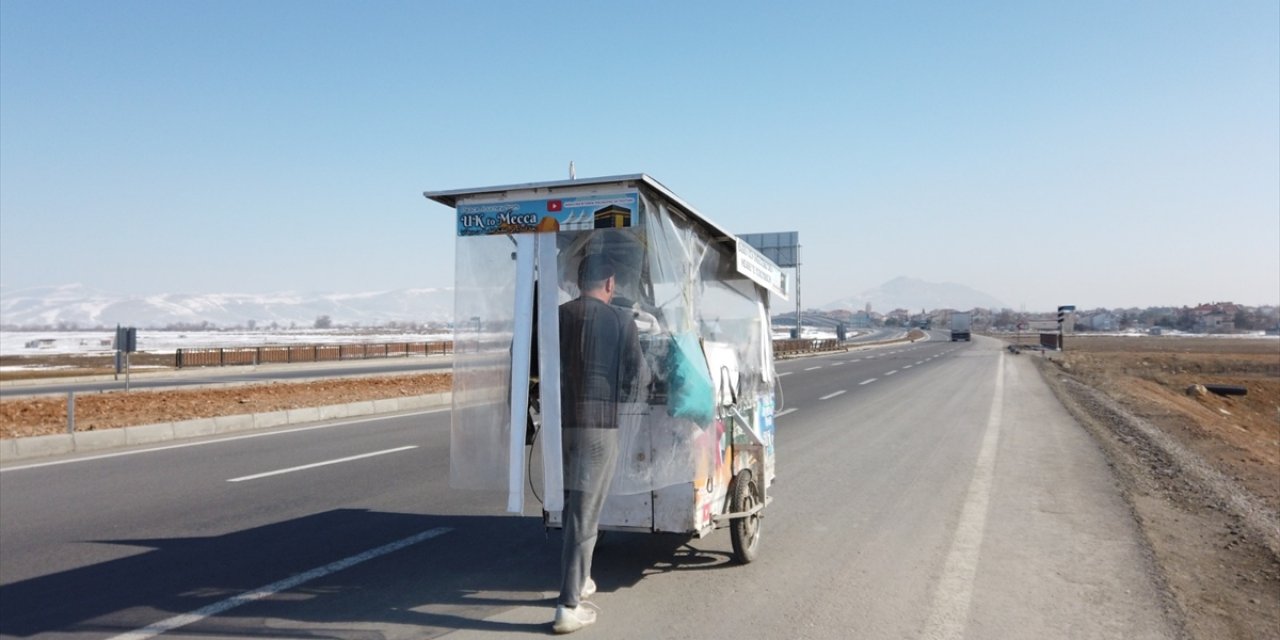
{"x": 831, "y": 395}
{"x": 321, "y": 464}
{"x": 906, "y": 367}
{"x": 169, "y": 624}
{"x": 785, "y": 373}
{"x": 867, "y": 381}
{"x": 891, "y": 372}
{"x": 836, "y": 364}
{"x": 369, "y": 418}
{"x": 812, "y": 368}
{"x": 951, "y": 601}
{"x": 784, "y": 412}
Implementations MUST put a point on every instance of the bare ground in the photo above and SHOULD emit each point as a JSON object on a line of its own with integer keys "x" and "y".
{"x": 48, "y": 415}
{"x": 1201, "y": 473}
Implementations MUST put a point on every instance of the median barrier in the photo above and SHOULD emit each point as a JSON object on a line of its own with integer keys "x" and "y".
{"x": 196, "y": 428}
{"x": 14, "y": 449}
{"x": 223, "y": 424}
{"x": 269, "y": 419}
{"x": 148, "y": 433}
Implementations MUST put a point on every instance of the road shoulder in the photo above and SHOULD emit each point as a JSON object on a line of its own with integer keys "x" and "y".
{"x": 1219, "y": 570}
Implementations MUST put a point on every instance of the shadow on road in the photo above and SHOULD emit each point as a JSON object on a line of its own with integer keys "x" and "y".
{"x": 483, "y": 565}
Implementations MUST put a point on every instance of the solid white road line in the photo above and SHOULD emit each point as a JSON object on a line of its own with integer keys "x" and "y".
{"x": 867, "y": 381}
{"x": 169, "y": 624}
{"x": 784, "y": 412}
{"x": 321, "y": 464}
{"x": 831, "y": 395}
{"x": 950, "y": 613}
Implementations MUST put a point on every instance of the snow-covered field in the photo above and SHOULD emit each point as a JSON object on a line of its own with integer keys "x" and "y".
{"x": 35, "y": 343}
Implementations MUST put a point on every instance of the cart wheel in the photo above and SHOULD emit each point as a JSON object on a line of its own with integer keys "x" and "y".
{"x": 745, "y": 532}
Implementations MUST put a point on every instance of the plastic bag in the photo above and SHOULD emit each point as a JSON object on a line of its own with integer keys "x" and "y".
{"x": 690, "y": 392}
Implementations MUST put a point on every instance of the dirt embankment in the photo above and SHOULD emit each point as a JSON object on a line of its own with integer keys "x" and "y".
{"x": 95, "y": 411}
{"x": 1201, "y": 471}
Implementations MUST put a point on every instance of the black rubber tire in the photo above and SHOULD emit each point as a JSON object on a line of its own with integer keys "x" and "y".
{"x": 745, "y": 532}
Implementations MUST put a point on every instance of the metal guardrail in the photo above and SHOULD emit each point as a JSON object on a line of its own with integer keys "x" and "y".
{"x": 231, "y": 356}
{"x": 791, "y": 347}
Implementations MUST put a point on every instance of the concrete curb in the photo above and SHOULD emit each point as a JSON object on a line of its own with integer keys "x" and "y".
{"x": 15, "y": 449}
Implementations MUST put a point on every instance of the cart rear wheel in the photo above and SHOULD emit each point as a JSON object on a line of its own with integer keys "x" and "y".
{"x": 745, "y": 532}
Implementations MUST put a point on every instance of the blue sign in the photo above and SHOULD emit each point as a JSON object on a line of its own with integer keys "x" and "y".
{"x": 583, "y": 213}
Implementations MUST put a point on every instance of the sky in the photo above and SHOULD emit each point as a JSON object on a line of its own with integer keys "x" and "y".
{"x": 1101, "y": 154}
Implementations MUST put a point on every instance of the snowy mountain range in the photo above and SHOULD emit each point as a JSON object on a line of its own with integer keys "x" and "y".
{"x": 914, "y": 294}
{"x": 78, "y": 306}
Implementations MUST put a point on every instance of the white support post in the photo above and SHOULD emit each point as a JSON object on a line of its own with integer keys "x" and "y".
{"x": 549, "y": 372}
{"x": 522, "y": 344}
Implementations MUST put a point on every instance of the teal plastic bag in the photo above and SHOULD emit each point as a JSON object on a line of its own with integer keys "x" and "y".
{"x": 690, "y": 394}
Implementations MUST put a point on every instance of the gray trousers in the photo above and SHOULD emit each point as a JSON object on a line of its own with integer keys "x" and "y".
{"x": 590, "y": 456}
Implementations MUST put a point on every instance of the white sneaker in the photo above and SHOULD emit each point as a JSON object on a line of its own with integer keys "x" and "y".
{"x": 570, "y": 620}
{"x": 588, "y": 588}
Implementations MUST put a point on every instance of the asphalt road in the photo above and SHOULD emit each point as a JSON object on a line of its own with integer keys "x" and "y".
{"x": 233, "y": 375}
{"x": 929, "y": 490}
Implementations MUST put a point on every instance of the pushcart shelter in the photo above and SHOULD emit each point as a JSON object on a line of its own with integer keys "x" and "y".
{"x": 697, "y": 445}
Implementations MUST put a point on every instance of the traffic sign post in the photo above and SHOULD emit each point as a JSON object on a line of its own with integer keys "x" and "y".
{"x": 126, "y": 343}
{"x": 1062, "y": 317}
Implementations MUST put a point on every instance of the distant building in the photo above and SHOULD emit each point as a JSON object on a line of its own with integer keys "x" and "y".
{"x": 1101, "y": 321}
{"x": 1215, "y": 317}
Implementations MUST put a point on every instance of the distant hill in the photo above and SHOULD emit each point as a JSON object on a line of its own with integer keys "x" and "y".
{"x": 915, "y": 294}
{"x": 79, "y": 306}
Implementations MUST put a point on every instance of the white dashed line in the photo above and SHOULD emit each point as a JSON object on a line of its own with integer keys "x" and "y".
{"x": 169, "y": 624}
{"x": 812, "y": 368}
{"x": 867, "y": 381}
{"x": 787, "y": 373}
{"x": 784, "y": 412}
{"x": 831, "y": 395}
{"x": 321, "y": 464}
{"x": 891, "y": 372}
{"x": 906, "y": 367}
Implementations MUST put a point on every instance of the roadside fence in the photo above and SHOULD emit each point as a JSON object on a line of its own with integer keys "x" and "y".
{"x": 792, "y": 347}
{"x": 231, "y": 356}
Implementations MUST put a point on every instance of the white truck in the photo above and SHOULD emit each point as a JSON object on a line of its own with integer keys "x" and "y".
{"x": 960, "y": 326}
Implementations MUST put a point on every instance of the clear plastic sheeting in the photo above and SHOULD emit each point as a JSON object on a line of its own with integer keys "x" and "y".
{"x": 678, "y": 284}
{"x": 484, "y": 325}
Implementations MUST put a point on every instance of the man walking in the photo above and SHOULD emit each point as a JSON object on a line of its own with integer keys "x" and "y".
{"x": 600, "y": 362}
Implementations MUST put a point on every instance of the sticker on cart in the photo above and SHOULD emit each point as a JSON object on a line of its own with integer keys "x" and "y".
{"x": 582, "y": 213}
{"x": 765, "y": 416}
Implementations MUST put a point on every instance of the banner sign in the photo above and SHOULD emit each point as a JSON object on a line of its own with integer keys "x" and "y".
{"x": 754, "y": 265}
{"x": 581, "y": 213}
{"x": 783, "y": 247}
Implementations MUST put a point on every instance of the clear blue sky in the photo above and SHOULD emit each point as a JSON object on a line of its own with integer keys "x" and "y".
{"x": 1093, "y": 153}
